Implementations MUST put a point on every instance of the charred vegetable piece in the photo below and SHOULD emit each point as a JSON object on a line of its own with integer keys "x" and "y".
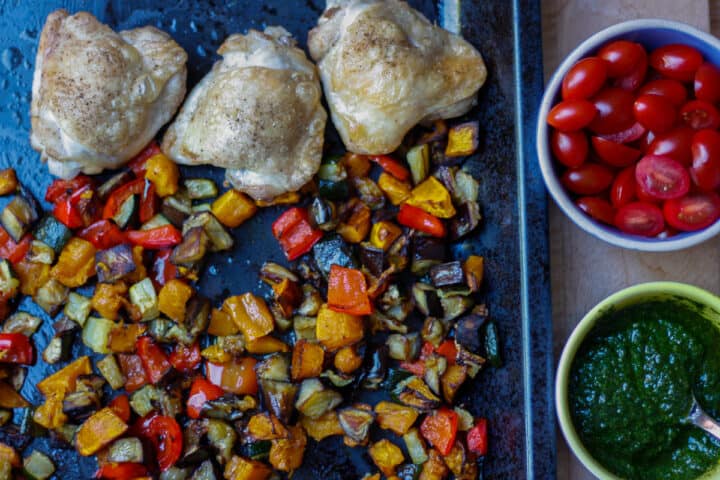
{"x": 413, "y": 392}
{"x": 40, "y": 253}
{"x": 307, "y": 361}
{"x": 193, "y": 247}
{"x": 447, "y": 274}
{"x": 177, "y": 208}
{"x": 347, "y": 291}
{"x": 295, "y": 232}
{"x": 127, "y": 212}
{"x": 52, "y": 233}
{"x": 415, "y": 446}
{"x": 314, "y": 399}
{"x": 333, "y": 179}
{"x": 221, "y": 437}
{"x": 143, "y": 296}
{"x": 22, "y": 322}
{"x": 96, "y": 333}
{"x": 433, "y": 198}
{"x": 377, "y": 369}
{"x": 403, "y": 347}
{"x": 278, "y": 397}
{"x": 19, "y": 215}
{"x": 466, "y": 220}
{"x": 463, "y": 139}
{"x": 420, "y": 220}
{"x": 110, "y": 370}
{"x": 265, "y": 426}
{"x": 369, "y": 192}
{"x": 455, "y": 305}
{"x": 356, "y": 224}
{"x": 335, "y": 330}
{"x": 239, "y": 468}
{"x": 467, "y": 332}
{"x": 452, "y": 380}
{"x": 286, "y": 454}
{"x": 395, "y": 190}
{"x": 51, "y": 296}
{"x": 78, "y": 406}
{"x": 126, "y": 450}
{"x": 323, "y": 213}
{"x": 333, "y": 250}
{"x": 440, "y": 429}
{"x": 394, "y": 417}
{"x": 251, "y": 315}
{"x": 10, "y": 398}
{"x": 426, "y": 253}
{"x": 491, "y": 344}
{"x": 356, "y": 422}
{"x": 372, "y": 258}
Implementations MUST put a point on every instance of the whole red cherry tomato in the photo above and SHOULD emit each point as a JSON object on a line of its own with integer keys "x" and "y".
{"x": 621, "y": 56}
{"x": 662, "y": 177}
{"x": 628, "y": 135}
{"x": 570, "y": 149}
{"x": 587, "y": 179}
{"x": 692, "y": 212}
{"x": 571, "y": 115}
{"x": 598, "y": 208}
{"x": 633, "y": 80}
{"x": 645, "y": 142}
{"x": 698, "y": 114}
{"x": 667, "y": 88}
{"x": 622, "y": 190}
{"x": 707, "y": 83}
{"x": 615, "y": 154}
{"x": 640, "y": 218}
{"x": 655, "y": 113}
{"x": 676, "y": 61}
{"x": 584, "y": 79}
{"x": 674, "y": 144}
{"x": 614, "y": 111}
{"x": 705, "y": 169}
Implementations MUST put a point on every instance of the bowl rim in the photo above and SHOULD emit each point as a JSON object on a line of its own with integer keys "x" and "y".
{"x": 552, "y": 182}
{"x": 626, "y": 296}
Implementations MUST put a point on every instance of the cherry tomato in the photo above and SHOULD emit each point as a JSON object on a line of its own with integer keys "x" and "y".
{"x": 645, "y": 142}
{"x": 615, "y": 154}
{"x": 631, "y": 134}
{"x": 655, "y": 113}
{"x": 674, "y": 144}
{"x": 698, "y": 114}
{"x": 676, "y": 61}
{"x": 705, "y": 169}
{"x": 571, "y": 115}
{"x": 587, "y": 179}
{"x": 644, "y": 196}
{"x": 672, "y": 90}
{"x": 614, "y": 111}
{"x": 584, "y": 79}
{"x": 598, "y": 208}
{"x": 570, "y": 149}
{"x": 662, "y": 177}
{"x": 633, "y": 80}
{"x": 622, "y": 190}
{"x": 621, "y": 56}
{"x": 640, "y": 218}
{"x": 692, "y": 212}
{"x": 707, "y": 83}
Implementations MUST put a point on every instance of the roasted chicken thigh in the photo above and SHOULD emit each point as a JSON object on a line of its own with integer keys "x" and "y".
{"x": 98, "y": 97}
{"x": 386, "y": 68}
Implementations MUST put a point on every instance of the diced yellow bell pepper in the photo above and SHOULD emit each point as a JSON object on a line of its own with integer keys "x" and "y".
{"x": 286, "y": 454}
{"x": 221, "y": 324}
{"x": 239, "y": 468}
{"x": 395, "y": 417}
{"x": 173, "y": 297}
{"x": 395, "y": 190}
{"x": 50, "y": 414}
{"x": 474, "y": 268}
{"x": 216, "y": 354}
{"x": 233, "y": 208}
{"x": 108, "y": 298}
{"x": 326, "y": 425}
{"x": 64, "y": 380}
{"x": 357, "y": 226}
{"x": 251, "y": 314}
{"x": 384, "y": 233}
{"x": 287, "y": 198}
{"x": 163, "y": 173}
{"x": 76, "y": 263}
{"x": 266, "y": 426}
{"x": 463, "y": 140}
{"x": 386, "y": 455}
{"x": 99, "y": 430}
{"x": 432, "y": 196}
{"x": 8, "y": 181}
{"x": 265, "y": 345}
{"x": 336, "y": 329}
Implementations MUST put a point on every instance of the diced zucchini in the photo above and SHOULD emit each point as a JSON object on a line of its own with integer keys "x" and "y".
{"x": 40, "y": 252}
{"x": 491, "y": 344}
{"x": 205, "y": 471}
{"x": 200, "y": 188}
{"x": 465, "y": 419}
{"x": 52, "y": 233}
{"x": 259, "y": 450}
{"x": 220, "y": 239}
{"x": 143, "y": 296}
{"x": 19, "y": 215}
{"x": 22, "y": 322}
{"x": 96, "y": 332}
{"x": 126, "y": 450}
{"x": 110, "y": 369}
{"x": 418, "y": 158}
{"x": 142, "y": 400}
{"x": 202, "y": 207}
{"x": 126, "y": 212}
{"x": 467, "y": 188}
{"x": 38, "y": 466}
{"x": 8, "y": 282}
{"x": 415, "y": 447}
{"x": 175, "y": 473}
{"x": 51, "y": 296}
{"x": 222, "y": 437}
{"x": 158, "y": 220}
{"x": 113, "y": 182}
{"x": 177, "y": 208}
{"x": 77, "y": 308}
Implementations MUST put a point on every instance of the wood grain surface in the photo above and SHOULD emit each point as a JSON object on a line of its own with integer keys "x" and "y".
{"x": 584, "y": 270}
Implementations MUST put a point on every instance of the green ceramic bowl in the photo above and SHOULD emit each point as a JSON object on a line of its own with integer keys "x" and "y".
{"x": 687, "y": 294}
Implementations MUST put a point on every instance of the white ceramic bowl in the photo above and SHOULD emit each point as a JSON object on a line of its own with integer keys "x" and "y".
{"x": 651, "y": 33}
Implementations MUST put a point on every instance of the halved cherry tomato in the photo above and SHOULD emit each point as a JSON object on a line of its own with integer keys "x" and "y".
{"x": 674, "y": 144}
{"x": 164, "y": 434}
{"x": 615, "y": 154}
{"x": 672, "y": 90}
{"x": 587, "y": 179}
{"x": 584, "y": 79}
{"x": 705, "y": 169}
{"x": 633, "y": 80}
{"x": 628, "y": 135}
{"x": 692, "y": 212}
{"x": 676, "y": 61}
{"x": 699, "y": 115}
{"x": 621, "y": 56}
{"x": 662, "y": 177}
{"x": 640, "y": 218}
{"x": 598, "y": 208}
{"x": 614, "y": 111}
{"x": 655, "y": 113}
{"x": 622, "y": 190}
{"x": 571, "y": 115}
{"x": 707, "y": 83}
{"x": 569, "y": 148}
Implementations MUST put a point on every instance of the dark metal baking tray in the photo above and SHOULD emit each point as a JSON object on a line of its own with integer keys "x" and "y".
{"x": 516, "y": 398}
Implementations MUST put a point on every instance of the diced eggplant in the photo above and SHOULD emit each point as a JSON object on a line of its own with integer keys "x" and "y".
{"x": 178, "y": 333}
{"x": 157, "y": 221}
{"x": 447, "y": 274}
{"x": 5, "y": 417}
{"x": 193, "y": 451}
{"x": 398, "y": 254}
{"x": 438, "y": 157}
{"x": 110, "y": 370}
{"x": 200, "y": 188}
{"x": 126, "y": 213}
{"x": 466, "y": 421}
{"x": 89, "y": 383}
{"x": 114, "y": 263}
{"x": 8, "y": 281}
{"x": 52, "y": 233}
{"x": 78, "y": 406}
{"x": 356, "y": 423}
{"x": 40, "y": 253}
{"x": 274, "y": 367}
{"x": 54, "y": 351}
{"x": 22, "y": 322}
{"x": 51, "y": 296}
{"x": 19, "y": 215}
{"x": 473, "y": 362}
{"x": 126, "y": 450}
{"x": 77, "y": 308}
{"x": 333, "y": 250}
{"x": 177, "y": 208}
{"x": 394, "y": 377}
{"x": 433, "y": 330}
{"x": 468, "y": 188}
{"x": 455, "y": 305}
{"x": 369, "y": 193}
{"x": 314, "y": 398}
{"x": 380, "y": 322}
{"x": 418, "y": 158}
{"x": 168, "y": 400}
{"x": 272, "y": 273}
{"x": 491, "y": 344}
{"x": 120, "y": 178}
{"x": 438, "y": 134}
{"x": 451, "y": 381}
{"x": 143, "y": 296}
{"x": 278, "y": 397}
{"x": 221, "y": 437}
{"x": 339, "y": 380}
{"x": 206, "y": 471}
{"x": 192, "y": 248}
{"x": 463, "y": 139}
{"x": 228, "y": 407}
{"x": 304, "y": 328}
{"x": 17, "y": 375}
{"x": 197, "y": 314}
{"x": 413, "y": 392}
{"x": 404, "y": 347}
{"x": 409, "y": 471}
{"x": 375, "y": 372}
{"x": 465, "y": 220}
{"x": 323, "y": 214}
{"x": 312, "y": 301}
{"x": 38, "y": 466}
{"x": 467, "y": 332}
{"x": 220, "y": 239}
{"x": 372, "y": 258}
{"x": 435, "y": 366}
{"x": 426, "y": 252}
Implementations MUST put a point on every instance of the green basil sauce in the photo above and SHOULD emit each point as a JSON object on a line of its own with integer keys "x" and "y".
{"x": 631, "y": 385}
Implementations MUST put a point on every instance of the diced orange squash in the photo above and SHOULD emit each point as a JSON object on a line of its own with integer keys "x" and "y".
{"x": 357, "y": 225}
{"x": 434, "y": 468}
{"x": 239, "y": 468}
{"x": 123, "y": 337}
{"x": 384, "y": 233}
{"x": 32, "y": 275}
{"x": 221, "y": 324}
{"x": 108, "y": 298}
{"x": 233, "y": 208}
{"x": 266, "y": 426}
{"x": 8, "y": 181}
{"x": 99, "y": 430}
{"x": 395, "y": 417}
{"x": 336, "y": 329}
{"x": 307, "y": 360}
{"x": 64, "y": 380}
{"x": 326, "y": 425}
{"x": 172, "y": 299}
{"x": 356, "y": 165}
{"x": 251, "y": 315}
{"x": 163, "y": 173}
{"x": 347, "y": 359}
{"x": 9, "y": 455}
{"x": 395, "y": 190}
{"x": 76, "y": 263}
{"x": 474, "y": 269}
{"x": 288, "y": 295}
{"x": 286, "y": 454}
{"x": 50, "y": 414}
{"x": 386, "y": 455}
{"x": 265, "y": 345}
{"x": 463, "y": 140}
{"x": 432, "y": 196}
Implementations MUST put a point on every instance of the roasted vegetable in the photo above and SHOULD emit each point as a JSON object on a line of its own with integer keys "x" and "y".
{"x": 491, "y": 344}
{"x": 52, "y": 233}
{"x": 96, "y": 333}
{"x": 163, "y": 173}
{"x": 387, "y": 456}
{"x": 110, "y": 370}
{"x": 356, "y": 224}
{"x": 336, "y": 330}
{"x": 418, "y": 157}
{"x": 347, "y": 360}
{"x": 126, "y": 450}
{"x": 126, "y": 213}
{"x": 76, "y": 263}
{"x": 19, "y": 215}
{"x": 307, "y": 360}
{"x": 463, "y": 139}
{"x": 395, "y": 190}
{"x": 403, "y": 347}
{"x": 286, "y": 454}
{"x": 251, "y": 315}
{"x": 426, "y": 252}
{"x": 239, "y": 468}
{"x": 323, "y": 426}
{"x": 377, "y": 368}
{"x": 38, "y": 466}
{"x": 200, "y": 188}
{"x": 220, "y": 239}
{"x": 314, "y": 399}
{"x": 233, "y": 208}
{"x": 413, "y": 392}
{"x": 193, "y": 247}
{"x": 98, "y": 431}
{"x": 324, "y": 214}
{"x": 355, "y": 422}
{"x": 415, "y": 446}
{"x": 8, "y": 181}
{"x": 142, "y": 295}
{"x": 333, "y": 183}
{"x": 22, "y": 322}
{"x": 447, "y": 274}
{"x": 466, "y": 220}
{"x": 51, "y": 296}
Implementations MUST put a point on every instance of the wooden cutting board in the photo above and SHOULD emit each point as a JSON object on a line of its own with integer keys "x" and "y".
{"x": 585, "y": 270}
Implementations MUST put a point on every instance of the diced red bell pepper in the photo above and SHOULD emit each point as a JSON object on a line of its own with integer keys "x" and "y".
{"x": 11, "y": 251}
{"x": 60, "y": 187}
{"x": 165, "y": 435}
{"x": 448, "y": 350}
{"x": 392, "y": 166}
{"x": 477, "y": 437}
{"x": 440, "y": 429}
{"x": 149, "y": 202}
{"x": 418, "y": 366}
{"x": 184, "y": 358}
{"x": 201, "y": 391}
{"x": 85, "y": 202}
{"x": 295, "y": 233}
{"x": 16, "y": 348}
{"x": 347, "y": 291}
{"x": 66, "y": 213}
{"x": 133, "y": 370}
{"x": 137, "y": 164}
{"x": 103, "y": 234}
{"x": 155, "y": 238}
{"x": 120, "y": 194}
{"x": 237, "y": 376}
{"x": 121, "y": 471}
{"x": 419, "y": 219}
{"x": 163, "y": 269}
{"x": 121, "y": 406}
{"x": 153, "y": 358}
